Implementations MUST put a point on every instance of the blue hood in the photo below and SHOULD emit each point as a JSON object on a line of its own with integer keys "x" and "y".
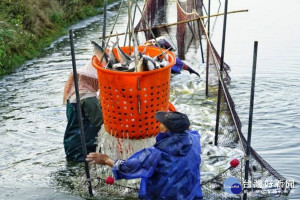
{"x": 176, "y": 144}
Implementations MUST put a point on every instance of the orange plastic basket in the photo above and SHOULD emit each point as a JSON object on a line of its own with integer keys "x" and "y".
{"x": 129, "y": 100}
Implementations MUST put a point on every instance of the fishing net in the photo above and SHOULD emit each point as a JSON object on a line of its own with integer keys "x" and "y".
{"x": 263, "y": 180}
{"x": 153, "y": 15}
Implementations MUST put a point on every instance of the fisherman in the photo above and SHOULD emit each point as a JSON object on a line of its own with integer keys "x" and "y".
{"x": 170, "y": 169}
{"x": 91, "y": 113}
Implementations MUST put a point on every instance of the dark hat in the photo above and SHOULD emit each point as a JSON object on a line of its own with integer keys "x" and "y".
{"x": 175, "y": 121}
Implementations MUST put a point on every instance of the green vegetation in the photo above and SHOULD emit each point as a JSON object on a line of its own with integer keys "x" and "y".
{"x": 28, "y": 26}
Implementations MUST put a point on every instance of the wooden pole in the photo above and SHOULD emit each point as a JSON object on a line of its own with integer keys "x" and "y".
{"x": 82, "y": 135}
{"x": 248, "y": 153}
{"x": 221, "y": 75}
{"x": 208, "y": 19}
{"x": 104, "y": 23}
{"x": 199, "y": 30}
{"x": 207, "y": 50}
{"x": 200, "y": 40}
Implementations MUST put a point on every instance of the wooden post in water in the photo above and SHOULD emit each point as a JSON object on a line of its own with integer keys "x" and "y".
{"x": 248, "y": 153}
{"x": 221, "y": 74}
{"x": 200, "y": 31}
{"x": 104, "y": 23}
{"x": 200, "y": 40}
{"x": 207, "y": 48}
{"x": 208, "y": 20}
{"x": 82, "y": 135}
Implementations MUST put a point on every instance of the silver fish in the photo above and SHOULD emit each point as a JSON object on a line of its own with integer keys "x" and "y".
{"x": 146, "y": 63}
{"x": 124, "y": 58}
{"x": 112, "y": 58}
{"x": 101, "y": 55}
{"x": 163, "y": 63}
{"x": 124, "y": 68}
{"x": 151, "y": 65}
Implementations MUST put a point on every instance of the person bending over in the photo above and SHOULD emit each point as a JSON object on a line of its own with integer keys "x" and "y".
{"x": 168, "y": 170}
{"x": 91, "y": 113}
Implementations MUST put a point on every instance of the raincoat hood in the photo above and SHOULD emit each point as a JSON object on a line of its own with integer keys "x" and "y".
{"x": 176, "y": 144}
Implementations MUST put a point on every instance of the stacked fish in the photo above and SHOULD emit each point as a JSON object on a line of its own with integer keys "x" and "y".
{"x": 138, "y": 62}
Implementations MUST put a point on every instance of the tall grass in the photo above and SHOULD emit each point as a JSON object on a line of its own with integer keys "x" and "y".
{"x": 28, "y": 26}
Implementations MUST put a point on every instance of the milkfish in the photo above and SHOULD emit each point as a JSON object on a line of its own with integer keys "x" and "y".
{"x": 112, "y": 58}
{"x": 100, "y": 54}
{"x": 163, "y": 63}
{"x": 124, "y": 58}
{"x": 121, "y": 67}
{"x": 146, "y": 63}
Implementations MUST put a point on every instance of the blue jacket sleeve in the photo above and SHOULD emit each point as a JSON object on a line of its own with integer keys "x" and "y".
{"x": 178, "y": 66}
{"x": 139, "y": 165}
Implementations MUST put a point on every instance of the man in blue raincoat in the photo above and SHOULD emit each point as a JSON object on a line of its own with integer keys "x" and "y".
{"x": 170, "y": 169}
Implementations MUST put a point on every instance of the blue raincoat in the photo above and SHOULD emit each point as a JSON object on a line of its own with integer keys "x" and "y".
{"x": 177, "y": 67}
{"x": 169, "y": 170}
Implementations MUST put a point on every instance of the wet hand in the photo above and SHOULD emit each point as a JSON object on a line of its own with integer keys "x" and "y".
{"x": 99, "y": 158}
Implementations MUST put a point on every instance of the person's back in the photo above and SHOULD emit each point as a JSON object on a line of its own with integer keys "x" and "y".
{"x": 170, "y": 169}
{"x": 177, "y": 174}
{"x": 90, "y": 110}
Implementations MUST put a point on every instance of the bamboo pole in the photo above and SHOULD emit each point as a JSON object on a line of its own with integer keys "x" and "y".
{"x": 181, "y": 22}
{"x": 104, "y": 23}
{"x": 221, "y": 74}
{"x": 207, "y": 52}
{"x": 82, "y": 133}
{"x": 248, "y": 153}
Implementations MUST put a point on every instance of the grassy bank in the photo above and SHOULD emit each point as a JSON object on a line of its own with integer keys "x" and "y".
{"x": 28, "y": 26}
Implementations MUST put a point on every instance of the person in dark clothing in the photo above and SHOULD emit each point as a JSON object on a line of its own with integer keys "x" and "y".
{"x": 170, "y": 169}
{"x": 90, "y": 109}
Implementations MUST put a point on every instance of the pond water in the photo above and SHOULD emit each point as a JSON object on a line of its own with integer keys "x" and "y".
{"x": 276, "y": 118}
{"x": 33, "y": 117}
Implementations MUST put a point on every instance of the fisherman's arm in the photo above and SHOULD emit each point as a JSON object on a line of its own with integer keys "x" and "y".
{"x": 139, "y": 165}
{"x": 100, "y": 159}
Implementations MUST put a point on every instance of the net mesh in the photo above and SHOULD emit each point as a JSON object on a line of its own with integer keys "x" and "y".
{"x": 263, "y": 179}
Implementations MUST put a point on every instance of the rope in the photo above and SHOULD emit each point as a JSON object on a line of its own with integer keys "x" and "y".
{"x": 219, "y": 77}
{"x": 242, "y": 139}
